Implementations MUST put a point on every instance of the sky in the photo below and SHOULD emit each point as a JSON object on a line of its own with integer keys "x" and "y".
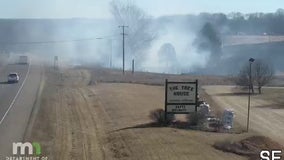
{"x": 100, "y": 8}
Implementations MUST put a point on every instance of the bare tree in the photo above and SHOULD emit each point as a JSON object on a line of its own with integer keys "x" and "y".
{"x": 139, "y": 33}
{"x": 242, "y": 79}
{"x": 262, "y": 74}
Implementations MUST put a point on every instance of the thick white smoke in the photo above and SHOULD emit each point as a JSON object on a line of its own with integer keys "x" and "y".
{"x": 188, "y": 58}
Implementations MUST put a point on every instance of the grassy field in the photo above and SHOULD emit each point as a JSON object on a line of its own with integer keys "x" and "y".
{"x": 79, "y": 120}
{"x": 274, "y": 95}
{"x": 116, "y": 76}
{"x": 267, "y": 111}
{"x": 83, "y": 117}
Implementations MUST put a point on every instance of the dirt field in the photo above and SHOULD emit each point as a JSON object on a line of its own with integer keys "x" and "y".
{"x": 109, "y": 121}
{"x": 267, "y": 110}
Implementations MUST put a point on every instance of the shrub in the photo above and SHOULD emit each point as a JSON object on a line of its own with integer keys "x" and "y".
{"x": 192, "y": 119}
{"x": 158, "y": 116}
{"x": 195, "y": 118}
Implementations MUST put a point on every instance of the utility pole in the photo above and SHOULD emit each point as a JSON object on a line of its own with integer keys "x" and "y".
{"x": 110, "y": 58}
{"x": 251, "y": 60}
{"x": 133, "y": 65}
{"x": 123, "y": 50}
{"x": 55, "y": 65}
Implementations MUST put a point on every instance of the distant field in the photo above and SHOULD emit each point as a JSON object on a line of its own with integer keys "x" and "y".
{"x": 235, "y": 56}
{"x": 242, "y": 39}
{"x": 116, "y": 76}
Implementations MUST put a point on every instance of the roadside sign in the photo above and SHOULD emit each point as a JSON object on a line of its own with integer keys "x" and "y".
{"x": 181, "y": 92}
{"x": 180, "y": 108}
{"x": 181, "y": 97}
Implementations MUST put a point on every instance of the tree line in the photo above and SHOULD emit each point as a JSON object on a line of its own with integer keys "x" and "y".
{"x": 247, "y": 24}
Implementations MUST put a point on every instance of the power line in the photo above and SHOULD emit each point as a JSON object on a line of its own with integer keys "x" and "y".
{"x": 123, "y": 43}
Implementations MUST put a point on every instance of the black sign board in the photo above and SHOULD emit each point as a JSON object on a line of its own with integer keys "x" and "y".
{"x": 181, "y": 97}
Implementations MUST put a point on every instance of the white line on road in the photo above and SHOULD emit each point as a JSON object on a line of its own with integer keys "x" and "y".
{"x": 20, "y": 89}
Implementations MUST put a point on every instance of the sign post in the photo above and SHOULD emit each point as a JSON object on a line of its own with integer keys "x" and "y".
{"x": 166, "y": 99}
{"x": 181, "y": 97}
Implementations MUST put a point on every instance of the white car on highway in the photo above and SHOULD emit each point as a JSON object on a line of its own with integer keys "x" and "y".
{"x": 13, "y": 77}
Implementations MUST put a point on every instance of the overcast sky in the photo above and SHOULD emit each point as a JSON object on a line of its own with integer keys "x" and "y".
{"x": 156, "y": 8}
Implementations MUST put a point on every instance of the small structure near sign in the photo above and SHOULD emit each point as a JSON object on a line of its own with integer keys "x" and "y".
{"x": 204, "y": 109}
{"x": 228, "y": 119}
{"x": 181, "y": 97}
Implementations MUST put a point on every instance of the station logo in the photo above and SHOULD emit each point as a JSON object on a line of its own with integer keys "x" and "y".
{"x": 29, "y": 147}
{"x": 26, "y": 151}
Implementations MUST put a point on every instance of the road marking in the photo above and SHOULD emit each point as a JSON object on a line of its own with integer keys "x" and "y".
{"x": 14, "y": 100}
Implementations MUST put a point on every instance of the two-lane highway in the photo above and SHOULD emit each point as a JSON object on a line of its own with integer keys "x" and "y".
{"x": 8, "y": 91}
{"x": 16, "y": 103}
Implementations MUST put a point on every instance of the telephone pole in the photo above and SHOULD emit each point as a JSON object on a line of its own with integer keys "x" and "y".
{"x": 55, "y": 65}
{"x": 251, "y": 60}
{"x": 123, "y": 44}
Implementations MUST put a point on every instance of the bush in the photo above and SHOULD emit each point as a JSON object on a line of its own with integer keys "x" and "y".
{"x": 192, "y": 119}
{"x": 158, "y": 116}
{"x": 195, "y": 118}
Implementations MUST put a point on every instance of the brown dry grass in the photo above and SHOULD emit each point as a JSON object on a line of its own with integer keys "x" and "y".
{"x": 64, "y": 125}
{"x": 79, "y": 120}
{"x": 127, "y": 111}
{"x": 250, "y": 146}
{"x": 115, "y": 76}
{"x": 109, "y": 121}
{"x": 273, "y": 95}
{"x": 266, "y": 114}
